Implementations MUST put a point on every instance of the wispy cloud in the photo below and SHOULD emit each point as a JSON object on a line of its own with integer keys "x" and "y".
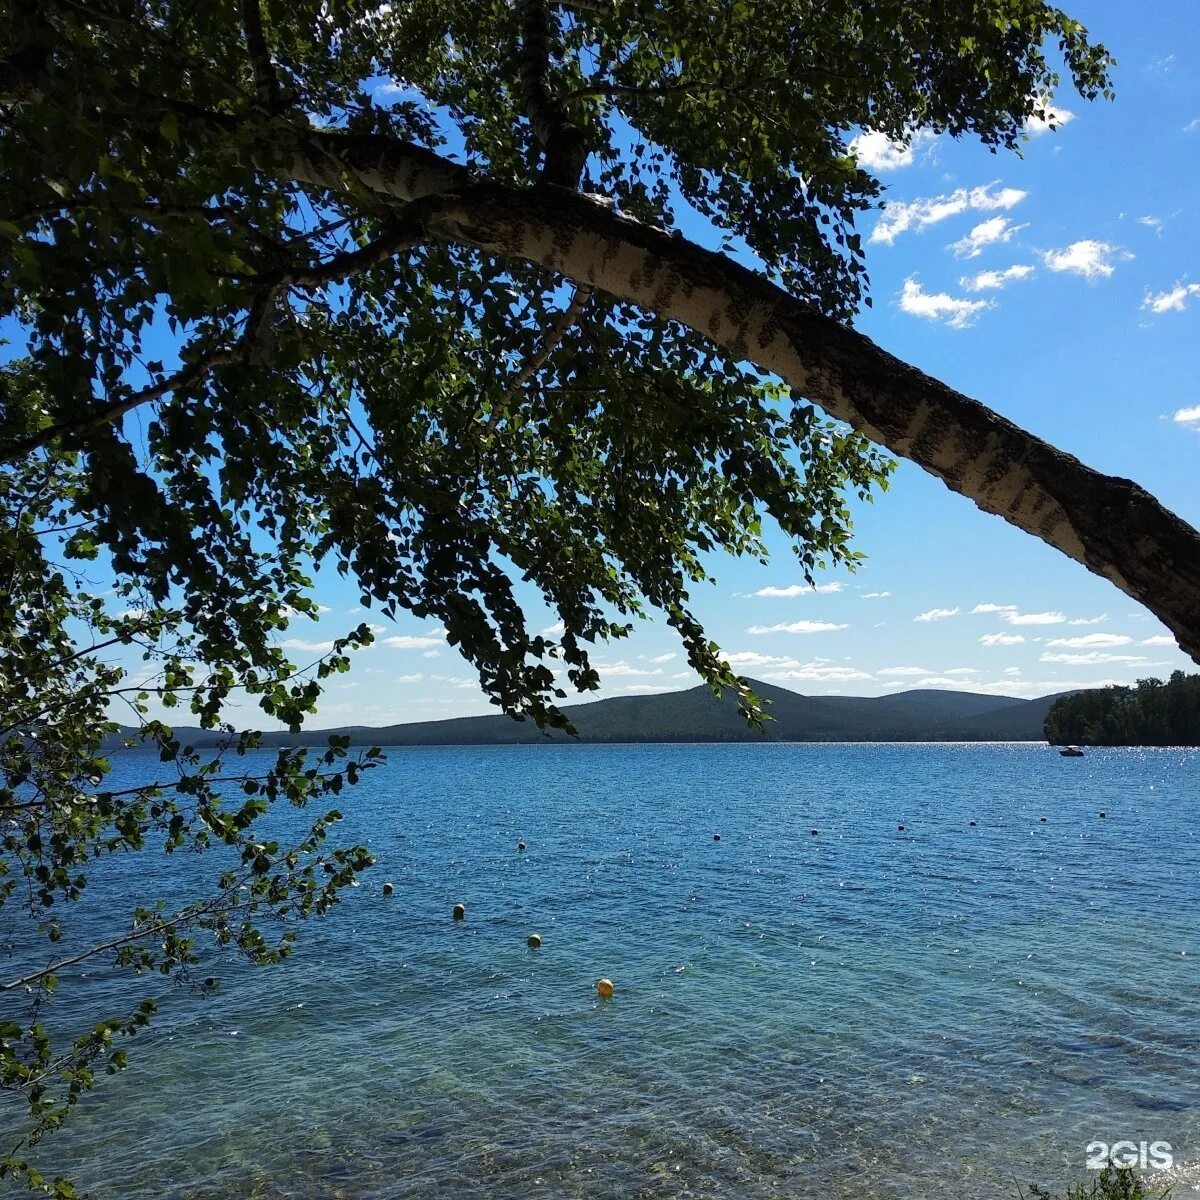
{"x": 901, "y": 672}
{"x": 995, "y": 231}
{"x": 954, "y": 311}
{"x": 664, "y": 658}
{"x": 797, "y": 627}
{"x": 1089, "y": 620}
{"x": 1002, "y": 639}
{"x": 1038, "y": 618}
{"x": 801, "y": 589}
{"x": 1174, "y": 300}
{"x": 1091, "y": 658}
{"x": 1091, "y": 641}
{"x": 993, "y": 608}
{"x": 415, "y": 642}
{"x": 900, "y": 216}
{"x": 816, "y": 673}
{"x": 1159, "y": 639}
{"x": 1092, "y": 259}
{"x": 993, "y": 281}
{"x": 1188, "y": 416}
{"x": 936, "y": 614}
{"x": 875, "y": 595}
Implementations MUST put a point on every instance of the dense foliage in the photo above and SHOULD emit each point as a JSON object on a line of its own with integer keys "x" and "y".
{"x": 1151, "y": 713}
{"x": 233, "y": 360}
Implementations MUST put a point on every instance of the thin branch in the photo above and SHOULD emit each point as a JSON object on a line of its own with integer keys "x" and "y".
{"x": 125, "y": 939}
{"x": 554, "y": 337}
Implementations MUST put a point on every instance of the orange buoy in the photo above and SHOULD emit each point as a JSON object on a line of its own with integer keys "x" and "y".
{"x": 534, "y": 940}
{"x": 605, "y": 988}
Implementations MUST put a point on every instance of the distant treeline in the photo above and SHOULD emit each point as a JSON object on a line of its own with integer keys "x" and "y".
{"x": 1151, "y": 713}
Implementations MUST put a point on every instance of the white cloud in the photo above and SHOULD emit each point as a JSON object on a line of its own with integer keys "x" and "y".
{"x": 994, "y": 231}
{"x": 647, "y": 687}
{"x": 664, "y": 658}
{"x": 1188, "y": 416}
{"x": 900, "y": 672}
{"x": 1092, "y": 259}
{"x": 936, "y": 614}
{"x": 1047, "y": 116}
{"x": 796, "y": 627}
{"x": 875, "y": 595}
{"x": 801, "y": 589}
{"x": 415, "y": 642}
{"x": 625, "y": 668}
{"x": 940, "y": 306}
{"x": 553, "y": 630}
{"x": 1040, "y": 618}
{"x": 900, "y": 216}
{"x": 994, "y": 608}
{"x": 416, "y": 678}
{"x": 1091, "y": 658}
{"x": 1192, "y": 125}
{"x": 945, "y": 681}
{"x": 1173, "y": 301}
{"x": 1155, "y": 223}
{"x": 1159, "y": 639}
{"x": 1002, "y": 639}
{"x": 1089, "y": 620}
{"x": 1091, "y": 641}
{"x": 812, "y": 673}
{"x": 876, "y": 151}
{"x": 987, "y": 281}
{"x": 1012, "y": 670}
{"x": 961, "y": 671}
{"x": 312, "y": 647}
{"x": 751, "y": 658}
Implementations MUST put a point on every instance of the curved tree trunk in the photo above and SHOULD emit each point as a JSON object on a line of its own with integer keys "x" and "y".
{"x": 1112, "y": 526}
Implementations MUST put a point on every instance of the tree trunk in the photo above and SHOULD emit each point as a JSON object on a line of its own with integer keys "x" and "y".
{"x": 1112, "y": 526}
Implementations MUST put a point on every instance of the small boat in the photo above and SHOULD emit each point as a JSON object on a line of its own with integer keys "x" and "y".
{"x": 1071, "y": 752}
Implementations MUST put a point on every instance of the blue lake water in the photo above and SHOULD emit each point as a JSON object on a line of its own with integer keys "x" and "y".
{"x": 945, "y": 1011}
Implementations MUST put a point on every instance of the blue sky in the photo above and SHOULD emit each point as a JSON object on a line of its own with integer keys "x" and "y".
{"x": 1063, "y": 289}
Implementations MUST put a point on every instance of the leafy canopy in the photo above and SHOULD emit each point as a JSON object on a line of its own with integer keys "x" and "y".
{"x": 222, "y": 377}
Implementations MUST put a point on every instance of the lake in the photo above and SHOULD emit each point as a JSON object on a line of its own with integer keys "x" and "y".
{"x": 943, "y": 1011}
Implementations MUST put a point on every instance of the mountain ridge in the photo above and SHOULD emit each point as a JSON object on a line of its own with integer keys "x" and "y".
{"x": 695, "y": 715}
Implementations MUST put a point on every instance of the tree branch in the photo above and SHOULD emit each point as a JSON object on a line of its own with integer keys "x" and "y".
{"x": 1110, "y": 525}
{"x": 557, "y": 332}
{"x": 266, "y": 82}
{"x": 564, "y": 151}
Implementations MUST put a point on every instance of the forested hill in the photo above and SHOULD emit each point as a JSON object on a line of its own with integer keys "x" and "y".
{"x": 696, "y": 715}
{"x": 1152, "y": 713}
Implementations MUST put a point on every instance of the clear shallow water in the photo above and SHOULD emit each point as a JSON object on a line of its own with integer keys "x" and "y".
{"x": 942, "y": 1012}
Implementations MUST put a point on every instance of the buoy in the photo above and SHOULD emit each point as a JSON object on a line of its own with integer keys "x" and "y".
{"x": 460, "y": 911}
{"x": 716, "y": 837}
{"x": 1104, "y": 814}
{"x": 534, "y": 940}
{"x": 1043, "y": 820}
{"x": 388, "y": 888}
{"x": 972, "y": 822}
{"x": 900, "y": 827}
{"x": 605, "y": 988}
{"x": 520, "y": 845}
{"x": 815, "y": 832}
